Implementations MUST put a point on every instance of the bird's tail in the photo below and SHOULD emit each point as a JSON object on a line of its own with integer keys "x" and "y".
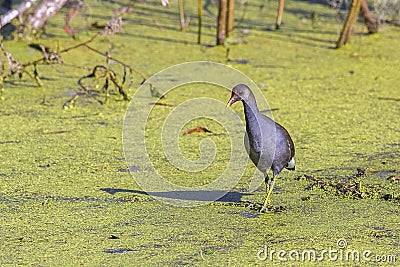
{"x": 291, "y": 165}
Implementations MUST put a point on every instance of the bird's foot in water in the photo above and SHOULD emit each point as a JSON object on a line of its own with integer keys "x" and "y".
{"x": 270, "y": 207}
{"x": 267, "y": 203}
{"x": 267, "y": 207}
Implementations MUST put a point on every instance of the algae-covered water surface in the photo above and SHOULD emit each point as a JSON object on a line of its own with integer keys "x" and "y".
{"x": 68, "y": 197}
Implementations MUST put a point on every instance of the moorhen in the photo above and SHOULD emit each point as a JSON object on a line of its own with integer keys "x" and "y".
{"x": 268, "y": 144}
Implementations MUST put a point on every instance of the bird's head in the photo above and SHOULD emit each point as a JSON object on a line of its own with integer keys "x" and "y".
{"x": 240, "y": 92}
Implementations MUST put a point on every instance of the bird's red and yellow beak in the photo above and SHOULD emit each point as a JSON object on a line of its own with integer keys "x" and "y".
{"x": 232, "y": 100}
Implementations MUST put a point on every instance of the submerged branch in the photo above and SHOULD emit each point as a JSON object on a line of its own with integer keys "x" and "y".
{"x": 108, "y": 75}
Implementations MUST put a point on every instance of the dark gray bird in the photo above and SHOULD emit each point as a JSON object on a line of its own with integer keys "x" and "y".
{"x": 268, "y": 144}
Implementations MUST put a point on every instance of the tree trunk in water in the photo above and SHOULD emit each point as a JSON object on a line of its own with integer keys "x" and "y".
{"x": 230, "y": 19}
{"x": 348, "y": 26}
{"x": 44, "y": 10}
{"x": 280, "y": 13}
{"x": 372, "y": 25}
{"x": 200, "y": 14}
{"x": 181, "y": 15}
{"x": 221, "y": 27}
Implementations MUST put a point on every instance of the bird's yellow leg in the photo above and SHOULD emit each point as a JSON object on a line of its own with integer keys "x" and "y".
{"x": 268, "y": 190}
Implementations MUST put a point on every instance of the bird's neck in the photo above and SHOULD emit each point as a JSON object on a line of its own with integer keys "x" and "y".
{"x": 251, "y": 114}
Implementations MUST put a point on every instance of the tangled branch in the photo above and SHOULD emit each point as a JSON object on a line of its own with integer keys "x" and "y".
{"x": 109, "y": 75}
{"x": 51, "y": 57}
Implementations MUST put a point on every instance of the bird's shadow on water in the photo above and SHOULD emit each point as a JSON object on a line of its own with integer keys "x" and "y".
{"x": 190, "y": 195}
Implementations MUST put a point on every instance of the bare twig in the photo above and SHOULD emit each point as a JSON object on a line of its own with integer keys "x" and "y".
{"x": 200, "y": 14}
{"x": 182, "y": 15}
{"x": 14, "y": 67}
{"x": 116, "y": 60}
{"x": 109, "y": 75}
{"x": 279, "y": 15}
{"x": 43, "y": 59}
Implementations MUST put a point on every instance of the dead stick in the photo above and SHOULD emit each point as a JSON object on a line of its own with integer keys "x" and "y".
{"x": 62, "y": 51}
{"x": 200, "y": 14}
{"x": 116, "y": 60}
{"x": 349, "y": 24}
{"x": 181, "y": 15}
{"x": 279, "y": 15}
